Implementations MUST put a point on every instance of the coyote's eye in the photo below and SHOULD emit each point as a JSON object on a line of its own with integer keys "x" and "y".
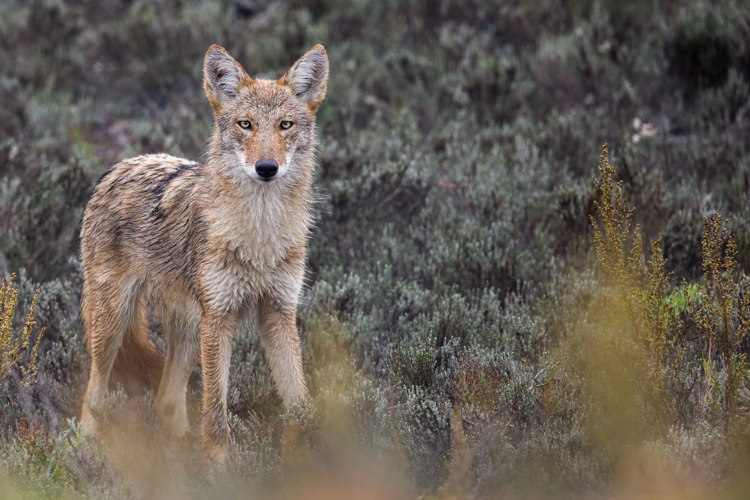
{"x": 286, "y": 125}
{"x": 244, "y": 124}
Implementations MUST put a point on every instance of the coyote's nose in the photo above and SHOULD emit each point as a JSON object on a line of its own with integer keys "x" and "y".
{"x": 267, "y": 168}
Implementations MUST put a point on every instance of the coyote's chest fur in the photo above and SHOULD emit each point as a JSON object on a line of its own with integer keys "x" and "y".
{"x": 259, "y": 229}
{"x": 257, "y": 245}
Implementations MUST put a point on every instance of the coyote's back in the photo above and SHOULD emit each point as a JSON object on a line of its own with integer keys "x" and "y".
{"x": 206, "y": 247}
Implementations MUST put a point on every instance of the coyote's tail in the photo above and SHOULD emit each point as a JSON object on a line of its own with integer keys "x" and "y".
{"x": 139, "y": 363}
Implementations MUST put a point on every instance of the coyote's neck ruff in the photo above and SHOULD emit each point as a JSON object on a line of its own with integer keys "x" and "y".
{"x": 206, "y": 247}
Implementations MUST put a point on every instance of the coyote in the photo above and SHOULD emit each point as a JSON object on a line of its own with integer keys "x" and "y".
{"x": 206, "y": 247}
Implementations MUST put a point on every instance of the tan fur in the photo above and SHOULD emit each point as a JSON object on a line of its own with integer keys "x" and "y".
{"x": 206, "y": 248}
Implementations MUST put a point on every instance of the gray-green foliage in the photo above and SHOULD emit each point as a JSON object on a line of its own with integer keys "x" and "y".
{"x": 450, "y": 270}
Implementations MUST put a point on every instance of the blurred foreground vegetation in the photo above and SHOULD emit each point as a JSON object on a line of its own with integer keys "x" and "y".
{"x": 467, "y": 331}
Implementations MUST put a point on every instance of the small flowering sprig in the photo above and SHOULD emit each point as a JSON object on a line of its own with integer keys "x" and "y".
{"x": 12, "y": 348}
{"x": 619, "y": 249}
{"x": 724, "y": 313}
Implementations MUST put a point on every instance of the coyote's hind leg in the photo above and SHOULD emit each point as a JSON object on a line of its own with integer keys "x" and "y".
{"x": 107, "y": 313}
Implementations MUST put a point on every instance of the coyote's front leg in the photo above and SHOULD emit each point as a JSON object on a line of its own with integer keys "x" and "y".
{"x": 217, "y": 331}
{"x": 277, "y": 323}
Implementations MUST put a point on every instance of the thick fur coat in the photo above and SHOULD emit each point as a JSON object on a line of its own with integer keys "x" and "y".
{"x": 207, "y": 247}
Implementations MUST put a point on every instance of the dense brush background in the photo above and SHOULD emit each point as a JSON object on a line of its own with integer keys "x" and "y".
{"x": 458, "y": 335}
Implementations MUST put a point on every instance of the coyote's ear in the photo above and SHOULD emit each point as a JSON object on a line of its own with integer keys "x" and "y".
{"x": 222, "y": 78}
{"x": 308, "y": 77}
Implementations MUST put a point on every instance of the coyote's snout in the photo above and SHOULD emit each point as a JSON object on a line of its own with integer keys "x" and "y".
{"x": 206, "y": 247}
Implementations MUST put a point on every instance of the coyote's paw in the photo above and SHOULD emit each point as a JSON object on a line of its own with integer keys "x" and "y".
{"x": 89, "y": 426}
{"x": 173, "y": 416}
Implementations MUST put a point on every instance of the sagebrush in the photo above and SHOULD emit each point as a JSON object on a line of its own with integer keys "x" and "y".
{"x": 459, "y": 335}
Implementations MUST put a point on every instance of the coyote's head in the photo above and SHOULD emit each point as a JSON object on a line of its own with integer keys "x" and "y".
{"x": 265, "y": 129}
